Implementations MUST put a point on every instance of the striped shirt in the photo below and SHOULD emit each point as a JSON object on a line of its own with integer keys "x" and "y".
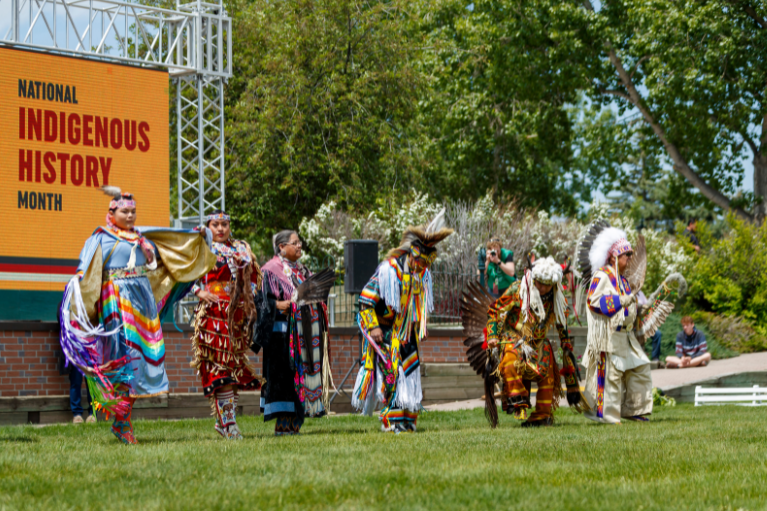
{"x": 690, "y": 345}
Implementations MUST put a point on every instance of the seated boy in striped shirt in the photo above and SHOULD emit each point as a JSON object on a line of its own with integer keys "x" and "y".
{"x": 690, "y": 347}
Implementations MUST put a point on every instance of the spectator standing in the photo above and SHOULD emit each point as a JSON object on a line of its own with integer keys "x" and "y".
{"x": 499, "y": 267}
{"x": 75, "y": 397}
{"x": 690, "y": 232}
{"x": 691, "y": 350}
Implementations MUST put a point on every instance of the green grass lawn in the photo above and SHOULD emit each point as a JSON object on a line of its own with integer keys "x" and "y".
{"x": 686, "y": 458}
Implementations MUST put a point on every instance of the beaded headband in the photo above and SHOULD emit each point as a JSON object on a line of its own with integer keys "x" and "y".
{"x": 218, "y": 216}
{"x": 122, "y": 202}
{"x": 620, "y": 247}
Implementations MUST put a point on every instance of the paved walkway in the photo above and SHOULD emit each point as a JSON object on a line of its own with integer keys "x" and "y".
{"x": 661, "y": 378}
{"x": 667, "y": 378}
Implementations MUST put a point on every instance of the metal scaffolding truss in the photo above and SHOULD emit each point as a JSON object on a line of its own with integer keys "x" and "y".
{"x": 200, "y": 138}
{"x": 193, "y": 39}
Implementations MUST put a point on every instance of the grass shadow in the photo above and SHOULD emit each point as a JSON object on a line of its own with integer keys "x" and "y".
{"x": 19, "y": 439}
{"x": 170, "y": 440}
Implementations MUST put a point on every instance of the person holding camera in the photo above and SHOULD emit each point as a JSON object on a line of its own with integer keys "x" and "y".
{"x": 499, "y": 267}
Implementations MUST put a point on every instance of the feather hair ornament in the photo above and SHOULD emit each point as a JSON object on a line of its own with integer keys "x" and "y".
{"x": 113, "y": 191}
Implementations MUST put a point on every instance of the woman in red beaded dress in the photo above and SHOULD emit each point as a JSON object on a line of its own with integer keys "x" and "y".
{"x": 223, "y": 324}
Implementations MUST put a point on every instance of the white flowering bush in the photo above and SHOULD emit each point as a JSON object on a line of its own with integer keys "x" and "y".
{"x": 522, "y": 231}
{"x": 475, "y": 223}
{"x": 326, "y": 232}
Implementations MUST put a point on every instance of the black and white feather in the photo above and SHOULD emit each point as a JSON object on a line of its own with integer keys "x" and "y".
{"x": 113, "y": 191}
{"x": 583, "y": 251}
{"x": 475, "y": 304}
{"x": 316, "y": 288}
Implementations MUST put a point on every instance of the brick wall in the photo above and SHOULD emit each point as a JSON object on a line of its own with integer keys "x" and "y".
{"x": 28, "y": 364}
{"x": 30, "y": 357}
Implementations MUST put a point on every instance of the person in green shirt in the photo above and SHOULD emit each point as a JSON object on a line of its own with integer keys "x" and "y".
{"x": 499, "y": 267}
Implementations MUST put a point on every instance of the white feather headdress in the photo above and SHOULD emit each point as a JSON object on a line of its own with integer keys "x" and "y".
{"x": 600, "y": 249}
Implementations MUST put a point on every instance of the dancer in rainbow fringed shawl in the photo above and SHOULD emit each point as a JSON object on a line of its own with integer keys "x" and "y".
{"x": 394, "y": 309}
{"x": 128, "y": 279}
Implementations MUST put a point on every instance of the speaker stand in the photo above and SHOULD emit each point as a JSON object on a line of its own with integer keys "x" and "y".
{"x": 357, "y": 363}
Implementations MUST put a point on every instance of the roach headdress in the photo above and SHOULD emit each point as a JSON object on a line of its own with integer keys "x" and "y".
{"x": 421, "y": 241}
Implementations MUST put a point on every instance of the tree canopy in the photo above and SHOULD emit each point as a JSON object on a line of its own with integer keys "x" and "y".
{"x": 320, "y": 106}
{"x": 697, "y": 74}
{"x": 361, "y": 101}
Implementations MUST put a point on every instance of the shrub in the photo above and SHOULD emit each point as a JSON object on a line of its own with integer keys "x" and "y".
{"x": 729, "y": 276}
{"x": 519, "y": 229}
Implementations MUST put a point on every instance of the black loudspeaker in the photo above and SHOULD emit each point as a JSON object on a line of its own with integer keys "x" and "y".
{"x": 360, "y": 260}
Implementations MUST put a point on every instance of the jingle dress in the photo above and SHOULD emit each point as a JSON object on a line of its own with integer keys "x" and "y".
{"x": 220, "y": 355}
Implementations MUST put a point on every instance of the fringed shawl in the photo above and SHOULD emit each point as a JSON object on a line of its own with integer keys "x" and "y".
{"x": 277, "y": 282}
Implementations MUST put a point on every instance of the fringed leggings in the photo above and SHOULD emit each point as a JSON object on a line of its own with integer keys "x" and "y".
{"x": 518, "y": 389}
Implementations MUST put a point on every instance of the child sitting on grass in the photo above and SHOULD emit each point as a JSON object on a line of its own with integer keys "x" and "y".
{"x": 690, "y": 347}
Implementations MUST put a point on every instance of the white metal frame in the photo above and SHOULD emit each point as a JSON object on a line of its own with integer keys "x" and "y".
{"x": 193, "y": 39}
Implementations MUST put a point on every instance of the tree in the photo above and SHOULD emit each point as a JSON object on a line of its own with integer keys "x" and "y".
{"x": 696, "y": 72}
{"x": 495, "y": 112}
{"x": 320, "y": 108}
{"x": 624, "y": 159}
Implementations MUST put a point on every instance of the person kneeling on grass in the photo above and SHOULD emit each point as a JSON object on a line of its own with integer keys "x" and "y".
{"x": 690, "y": 347}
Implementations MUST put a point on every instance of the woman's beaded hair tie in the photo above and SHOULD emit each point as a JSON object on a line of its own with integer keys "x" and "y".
{"x": 218, "y": 216}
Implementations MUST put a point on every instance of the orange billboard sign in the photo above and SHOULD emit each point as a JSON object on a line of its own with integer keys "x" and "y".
{"x": 67, "y": 127}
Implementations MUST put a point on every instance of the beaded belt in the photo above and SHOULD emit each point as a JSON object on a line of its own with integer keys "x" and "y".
{"x": 124, "y": 273}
